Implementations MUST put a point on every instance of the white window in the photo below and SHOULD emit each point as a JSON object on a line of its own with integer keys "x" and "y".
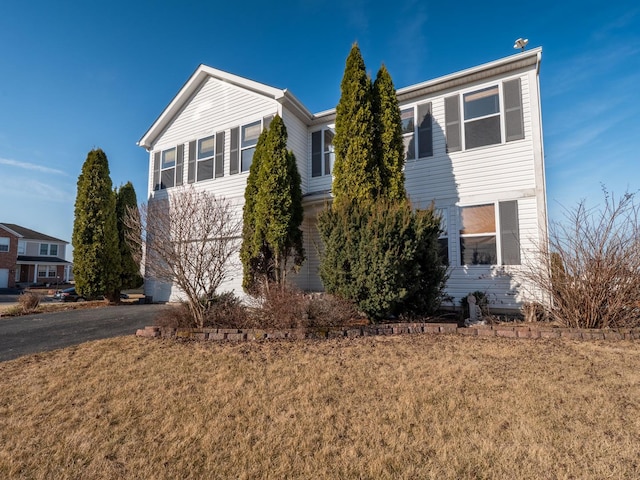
{"x": 48, "y": 249}
{"x": 206, "y": 153}
{"x": 417, "y": 132}
{"x": 4, "y": 244}
{"x": 248, "y": 140}
{"x": 483, "y": 116}
{"x": 168, "y": 168}
{"x": 443, "y": 239}
{"x": 22, "y": 247}
{"x": 243, "y": 143}
{"x": 44, "y": 249}
{"x": 322, "y": 152}
{"x": 489, "y": 234}
{"x": 478, "y": 235}
{"x": 53, "y": 249}
{"x": 47, "y": 271}
{"x": 408, "y": 133}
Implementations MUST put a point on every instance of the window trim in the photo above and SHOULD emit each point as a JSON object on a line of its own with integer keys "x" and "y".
{"x": 456, "y": 122}
{"x": 325, "y": 157}
{"x": 3, "y": 244}
{"x": 503, "y": 228}
{"x": 164, "y": 169}
{"x": 201, "y": 158}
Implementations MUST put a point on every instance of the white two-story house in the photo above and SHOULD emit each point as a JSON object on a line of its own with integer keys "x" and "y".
{"x": 473, "y": 143}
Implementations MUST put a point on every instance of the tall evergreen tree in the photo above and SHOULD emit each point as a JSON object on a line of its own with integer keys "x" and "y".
{"x": 95, "y": 233}
{"x": 254, "y": 254}
{"x": 378, "y": 251}
{"x": 273, "y": 208}
{"x": 355, "y": 174}
{"x": 126, "y": 201}
{"x": 389, "y": 146}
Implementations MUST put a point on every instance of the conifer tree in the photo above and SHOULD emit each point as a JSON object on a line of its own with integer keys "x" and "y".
{"x": 356, "y": 175}
{"x": 273, "y": 208}
{"x": 96, "y": 252}
{"x": 126, "y": 203}
{"x": 254, "y": 254}
{"x": 389, "y": 146}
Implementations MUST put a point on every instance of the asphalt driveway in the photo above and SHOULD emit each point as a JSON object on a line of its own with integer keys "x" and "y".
{"x": 48, "y": 331}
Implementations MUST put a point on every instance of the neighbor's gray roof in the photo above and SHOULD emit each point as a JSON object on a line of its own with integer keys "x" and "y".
{"x": 29, "y": 234}
{"x": 49, "y": 260}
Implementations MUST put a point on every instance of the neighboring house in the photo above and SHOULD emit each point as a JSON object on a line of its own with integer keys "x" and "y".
{"x": 474, "y": 148}
{"x": 28, "y": 257}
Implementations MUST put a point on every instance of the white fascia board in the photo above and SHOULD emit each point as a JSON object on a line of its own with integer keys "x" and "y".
{"x": 500, "y": 66}
{"x": 190, "y": 87}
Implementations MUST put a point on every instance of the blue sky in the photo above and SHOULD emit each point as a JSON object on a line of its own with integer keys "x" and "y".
{"x": 75, "y": 75}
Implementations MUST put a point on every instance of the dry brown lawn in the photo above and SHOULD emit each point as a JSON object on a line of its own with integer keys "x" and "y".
{"x": 416, "y": 406}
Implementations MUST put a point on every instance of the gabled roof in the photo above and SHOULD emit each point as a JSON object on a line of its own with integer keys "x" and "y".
{"x": 29, "y": 234}
{"x": 202, "y": 73}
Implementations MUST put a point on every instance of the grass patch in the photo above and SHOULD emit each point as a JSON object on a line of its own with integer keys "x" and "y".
{"x": 414, "y": 406}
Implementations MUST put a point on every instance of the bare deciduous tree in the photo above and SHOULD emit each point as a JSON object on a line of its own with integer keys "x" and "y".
{"x": 191, "y": 239}
{"x": 593, "y": 279}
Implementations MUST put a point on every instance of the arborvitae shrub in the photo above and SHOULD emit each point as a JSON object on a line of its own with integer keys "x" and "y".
{"x": 384, "y": 256}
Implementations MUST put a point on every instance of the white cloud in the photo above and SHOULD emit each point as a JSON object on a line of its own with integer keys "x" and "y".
{"x": 18, "y": 187}
{"x": 30, "y": 166}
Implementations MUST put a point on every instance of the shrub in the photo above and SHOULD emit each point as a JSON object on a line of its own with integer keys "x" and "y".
{"x": 226, "y": 310}
{"x": 326, "y": 310}
{"x": 280, "y": 306}
{"x": 384, "y": 256}
{"x": 176, "y": 316}
{"x": 29, "y": 301}
{"x": 593, "y": 259}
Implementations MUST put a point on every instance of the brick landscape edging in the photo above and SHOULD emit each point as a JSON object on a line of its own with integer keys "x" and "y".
{"x": 515, "y": 331}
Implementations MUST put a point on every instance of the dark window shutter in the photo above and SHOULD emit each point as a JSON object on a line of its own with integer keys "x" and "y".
{"x": 220, "y": 154}
{"x": 316, "y": 154}
{"x": 233, "y": 161}
{"x": 452, "y": 121}
{"x": 179, "y": 164}
{"x": 514, "y": 124}
{"x": 509, "y": 233}
{"x": 191, "y": 169}
{"x": 156, "y": 171}
{"x": 425, "y": 131}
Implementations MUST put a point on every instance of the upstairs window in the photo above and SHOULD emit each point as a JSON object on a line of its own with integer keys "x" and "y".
{"x": 486, "y": 114}
{"x": 248, "y": 140}
{"x": 48, "y": 249}
{"x": 243, "y": 144}
{"x": 420, "y": 125}
{"x": 22, "y": 247}
{"x": 407, "y": 123}
{"x": 4, "y": 244}
{"x": 322, "y": 152}
{"x": 168, "y": 168}
{"x": 482, "y": 117}
{"x": 206, "y": 153}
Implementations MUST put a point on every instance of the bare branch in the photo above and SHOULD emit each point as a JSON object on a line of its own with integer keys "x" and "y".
{"x": 191, "y": 239}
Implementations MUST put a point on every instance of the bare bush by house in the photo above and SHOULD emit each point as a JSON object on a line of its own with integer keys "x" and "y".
{"x": 593, "y": 279}
{"x": 29, "y": 301}
{"x": 191, "y": 239}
